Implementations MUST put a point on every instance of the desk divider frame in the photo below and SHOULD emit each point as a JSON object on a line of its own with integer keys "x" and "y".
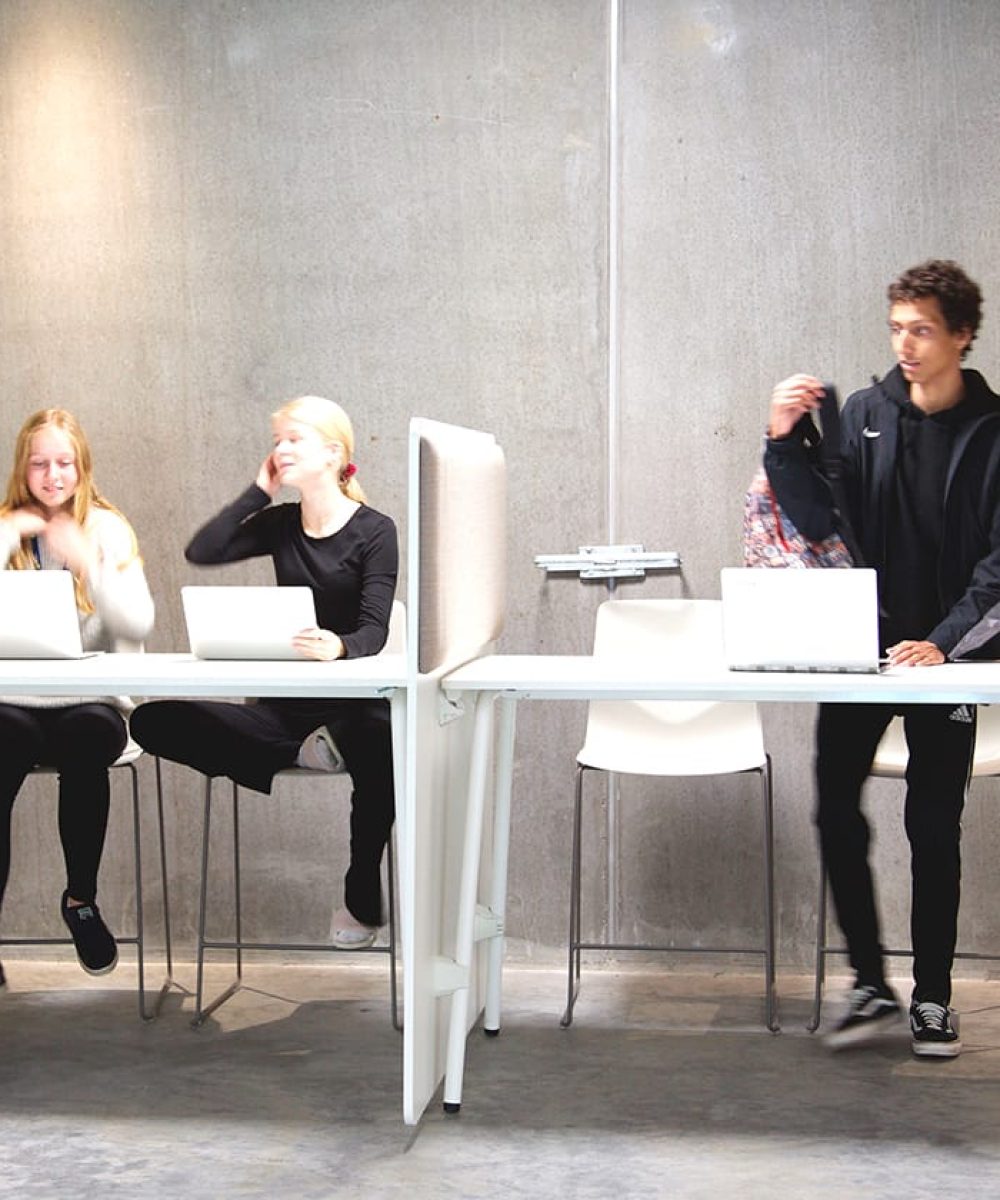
{"x": 456, "y": 555}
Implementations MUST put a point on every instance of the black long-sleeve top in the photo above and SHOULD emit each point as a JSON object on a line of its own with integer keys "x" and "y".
{"x": 352, "y": 573}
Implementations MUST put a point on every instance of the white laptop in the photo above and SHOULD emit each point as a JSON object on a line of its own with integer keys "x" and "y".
{"x": 38, "y": 616}
{"x": 246, "y": 622}
{"x": 786, "y": 619}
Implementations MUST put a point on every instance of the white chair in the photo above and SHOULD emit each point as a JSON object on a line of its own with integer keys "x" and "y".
{"x": 670, "y": 738}
{"x": 890, "y": 762}
{"x": 126, "y": 761}
{"x": 395, "y": 644}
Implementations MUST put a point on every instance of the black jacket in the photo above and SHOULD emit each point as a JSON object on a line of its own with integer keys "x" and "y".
{"x": 968, "y": 571}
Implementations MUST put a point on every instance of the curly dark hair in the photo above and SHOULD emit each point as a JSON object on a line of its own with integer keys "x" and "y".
{"x": 960, "y": 299}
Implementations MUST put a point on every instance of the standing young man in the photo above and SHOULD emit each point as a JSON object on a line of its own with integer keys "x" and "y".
{"x": 921, "y": 462}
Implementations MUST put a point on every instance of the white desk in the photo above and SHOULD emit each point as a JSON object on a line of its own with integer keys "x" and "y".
{"x": 509, "y": 678}
{"x": 149, "y": 676}
{"x": 159, "y": 675}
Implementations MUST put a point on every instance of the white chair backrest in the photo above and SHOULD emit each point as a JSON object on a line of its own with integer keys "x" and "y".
{"x": 668, "y": 737}
{"x": 892, "y": 754}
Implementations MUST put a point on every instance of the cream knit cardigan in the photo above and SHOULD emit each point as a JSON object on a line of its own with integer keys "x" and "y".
{"x": 123, "y": 607}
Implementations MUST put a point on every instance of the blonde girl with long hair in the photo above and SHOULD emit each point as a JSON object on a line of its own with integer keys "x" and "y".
{"x": 54, "y": 518}
{"x": 331, "y": 541}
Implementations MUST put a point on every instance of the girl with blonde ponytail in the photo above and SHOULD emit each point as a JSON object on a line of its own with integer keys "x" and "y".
{"x": 331, "y": 541}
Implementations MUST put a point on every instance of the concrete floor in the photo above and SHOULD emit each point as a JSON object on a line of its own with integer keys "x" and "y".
{"x": 666, "y": 1085}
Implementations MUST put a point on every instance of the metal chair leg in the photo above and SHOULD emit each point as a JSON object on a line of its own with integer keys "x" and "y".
{"x": 237, "y": 945}
{"x": 169, "y": 982}
{"x": 813, "y": 1023}
{"x": 203, "y": 904}
{"x": 140, "y": 940}
{"x": 577, "y": 945}
{"x": 573, "y": 965}
{"x": 202, "y": 1013}
{"x": 770, "y": 972}
{"x": 397, "y": 1023}
{"x": 146, "y": 1013}
{"x": 237, "y": 884}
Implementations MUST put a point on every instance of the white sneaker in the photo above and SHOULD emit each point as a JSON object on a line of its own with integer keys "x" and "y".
{"x": 319, "y": 753}
{"x": 350, "y": 934}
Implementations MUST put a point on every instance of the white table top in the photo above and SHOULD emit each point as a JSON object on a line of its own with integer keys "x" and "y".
{"x": 583, "y": 677}
{"x": 142, "y": 675}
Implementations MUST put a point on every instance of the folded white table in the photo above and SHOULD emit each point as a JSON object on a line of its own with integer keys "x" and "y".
{"x": 509, "y": 678}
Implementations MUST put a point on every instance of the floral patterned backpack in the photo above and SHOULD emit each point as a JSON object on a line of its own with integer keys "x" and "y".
{"x": 769, "y": 537}
{"x": 771, "y": 540}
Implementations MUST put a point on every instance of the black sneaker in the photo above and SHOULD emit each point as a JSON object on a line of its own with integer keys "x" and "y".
{"x": 871, "y": 1011}
{"x": 95, "y": 947}
{"x": 3, "y": 979}
{"x": 935, "y": 1033}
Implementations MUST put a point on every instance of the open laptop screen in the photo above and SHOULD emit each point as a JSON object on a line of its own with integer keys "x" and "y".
{"x": 800, "y": 620}
{"x": 38, "y": 615}
{"x": 246, "y": 622}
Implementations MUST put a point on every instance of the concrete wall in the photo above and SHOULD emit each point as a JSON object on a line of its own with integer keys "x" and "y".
{"x": 207, "y": 207}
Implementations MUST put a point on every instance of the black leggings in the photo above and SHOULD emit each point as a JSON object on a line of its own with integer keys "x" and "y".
{"x": 941, "y": 741}
{"x": 249, "y": 743}
{"x": 80, "y": 741}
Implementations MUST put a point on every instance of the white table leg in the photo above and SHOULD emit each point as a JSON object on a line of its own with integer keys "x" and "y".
{"x": 397, "y": 713}
{"x": 465, "y": 936}
{"x": 501, "y": 850}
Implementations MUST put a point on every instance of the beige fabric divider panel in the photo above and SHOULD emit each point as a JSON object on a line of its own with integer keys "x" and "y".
{"x": 463, "y": 532}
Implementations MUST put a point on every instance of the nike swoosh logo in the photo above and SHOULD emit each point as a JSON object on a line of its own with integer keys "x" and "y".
{"x": 871, "y": 433}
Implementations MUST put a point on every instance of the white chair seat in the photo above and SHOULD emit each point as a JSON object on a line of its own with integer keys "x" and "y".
{"x": 669, "y": 738}
{"x": 395, "y": 644}
{"x": 892, "y": 755}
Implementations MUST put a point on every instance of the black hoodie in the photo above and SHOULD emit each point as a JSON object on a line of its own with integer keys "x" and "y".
{"x": 968, "y": 567}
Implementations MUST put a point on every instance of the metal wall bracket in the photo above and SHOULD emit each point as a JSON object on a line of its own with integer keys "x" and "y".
{"x": 488, "y": 924}
{"x": 447, "y": 976}
{"x": 610, "y": 562}
{"x": 450, "y": 706}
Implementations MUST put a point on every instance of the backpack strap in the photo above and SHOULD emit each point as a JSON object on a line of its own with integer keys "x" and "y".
{"x": 831, "y": 464}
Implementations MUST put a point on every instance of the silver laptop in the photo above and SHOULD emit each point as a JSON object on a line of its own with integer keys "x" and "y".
{"x": 38, "y": 616}
{"x": 800, "y": 620}
{"x": 246, "y": 622}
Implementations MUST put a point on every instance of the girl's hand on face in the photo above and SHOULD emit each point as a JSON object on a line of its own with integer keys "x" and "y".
{"x": 67, "y": 540}
{"x": 267, "y": 477}
{"x": 321, "y": 644}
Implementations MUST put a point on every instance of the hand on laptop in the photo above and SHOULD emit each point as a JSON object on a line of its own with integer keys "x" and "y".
{"x": 322, "y": 644}
{"x": 915, "y": 654}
